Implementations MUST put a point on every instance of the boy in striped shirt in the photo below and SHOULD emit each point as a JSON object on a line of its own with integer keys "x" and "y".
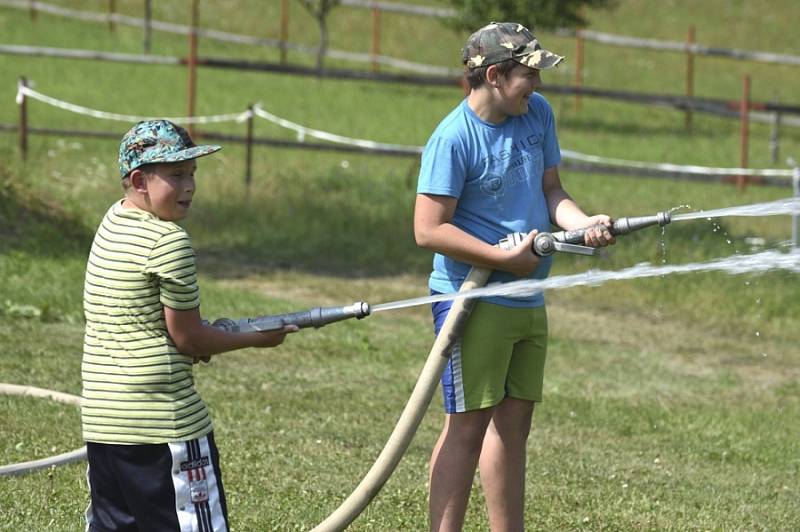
{"x": 153, "y": 464}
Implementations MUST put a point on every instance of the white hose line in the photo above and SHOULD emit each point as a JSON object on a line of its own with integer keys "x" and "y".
{"x": 60, "y": 459}
{"x": 413, "y": 413}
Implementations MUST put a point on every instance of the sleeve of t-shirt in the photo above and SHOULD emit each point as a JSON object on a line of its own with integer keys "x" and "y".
{"x": 442, "y": 170}
{"x": 172, "y": 262}
{"x": 550, "y": 149}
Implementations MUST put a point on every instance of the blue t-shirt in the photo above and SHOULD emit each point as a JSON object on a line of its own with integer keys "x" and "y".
{"x": 495, "y": 171}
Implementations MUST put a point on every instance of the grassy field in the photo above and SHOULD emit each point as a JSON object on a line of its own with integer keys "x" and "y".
{"x": 671, "y": 403}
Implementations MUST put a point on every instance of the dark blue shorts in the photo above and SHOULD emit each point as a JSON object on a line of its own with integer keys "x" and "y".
{"x": 169, "y": 487}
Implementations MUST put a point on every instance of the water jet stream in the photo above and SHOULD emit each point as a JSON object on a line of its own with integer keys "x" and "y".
{"x": 734, "y": 265}
{"x": 771, "y": 208}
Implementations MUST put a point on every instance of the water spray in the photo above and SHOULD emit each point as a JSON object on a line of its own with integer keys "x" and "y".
{"x": 546, "y": 244}
{"x": 316, "y": 317}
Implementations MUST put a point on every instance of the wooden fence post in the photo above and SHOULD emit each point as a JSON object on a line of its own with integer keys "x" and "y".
{"x": 284, "y": 30}
{"x": 193, "y": 62}
{"x": 744, "y": 129}
{"x": 23, "y": 121}
{"x": 248, "y": 167}
{"x": 578, "y": 68}
{"x": 148, "y": 25}
{"x": 689, "y": 74}
{"x": 376, "y": 37}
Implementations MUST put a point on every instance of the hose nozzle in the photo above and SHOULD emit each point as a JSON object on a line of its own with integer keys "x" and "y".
{"x": 546, "y": 244}
{"x": 316, "y": 317}
{"x": 621, "y": 226}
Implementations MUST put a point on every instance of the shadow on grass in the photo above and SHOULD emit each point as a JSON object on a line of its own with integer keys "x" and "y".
{"x": 38, "y": 226}
{"x": 335, "y": 224}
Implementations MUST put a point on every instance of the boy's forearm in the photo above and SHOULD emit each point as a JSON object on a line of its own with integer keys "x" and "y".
{"x": 207, "y": 340}
{"x": 194, "y": 338}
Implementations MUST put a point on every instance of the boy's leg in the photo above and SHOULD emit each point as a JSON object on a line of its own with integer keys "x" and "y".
{"x": 502, "y": 464}
{"x": 503, "y": 458}
{"x": 472, "y": 384}
{"x": 108, "y": 509}
{"x": 452, "y": 468}
{"x": 175, "y": 486}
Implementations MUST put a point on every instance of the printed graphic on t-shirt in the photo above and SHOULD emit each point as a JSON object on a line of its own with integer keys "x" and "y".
{"x": 509, "y": 167}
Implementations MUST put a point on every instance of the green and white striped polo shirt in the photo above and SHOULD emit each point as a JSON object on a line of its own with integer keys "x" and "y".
{"x": 137, "y": 387}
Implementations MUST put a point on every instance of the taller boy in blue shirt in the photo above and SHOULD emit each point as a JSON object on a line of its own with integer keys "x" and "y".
{"x": 491, "y": 168}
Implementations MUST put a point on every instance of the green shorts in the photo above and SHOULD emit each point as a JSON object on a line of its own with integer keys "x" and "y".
{"x": 502, "y": 354}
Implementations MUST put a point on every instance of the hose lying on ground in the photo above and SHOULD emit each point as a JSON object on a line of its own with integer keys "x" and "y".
{"x": 60, "y": 459}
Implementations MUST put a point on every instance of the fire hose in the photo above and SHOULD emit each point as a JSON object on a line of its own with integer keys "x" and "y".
{"x": 544, "y": 244}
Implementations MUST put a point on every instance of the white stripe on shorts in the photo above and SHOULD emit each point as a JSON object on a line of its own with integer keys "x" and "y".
{"x": 197, "y": 501}
{"x": 458, "y": 380}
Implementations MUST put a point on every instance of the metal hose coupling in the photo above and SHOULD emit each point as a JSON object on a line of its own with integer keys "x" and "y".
{"x": 546, "y": 244}
{"x": 316, "y": 317}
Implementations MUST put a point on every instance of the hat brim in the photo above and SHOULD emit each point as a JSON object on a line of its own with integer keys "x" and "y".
{"x": 540, "y": 59}
{"x": 185, "y": 155}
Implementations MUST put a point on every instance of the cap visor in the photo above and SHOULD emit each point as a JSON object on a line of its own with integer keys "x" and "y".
{"x": 188, "y": 153}
{"x": 541, "y": 60}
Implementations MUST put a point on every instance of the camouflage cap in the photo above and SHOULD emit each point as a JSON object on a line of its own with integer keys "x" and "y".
{"x": 502, "y": 41}
{"x": 158, "y": 141}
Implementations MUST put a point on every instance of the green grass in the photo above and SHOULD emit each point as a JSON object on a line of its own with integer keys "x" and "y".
{"x": 671, "y": 403}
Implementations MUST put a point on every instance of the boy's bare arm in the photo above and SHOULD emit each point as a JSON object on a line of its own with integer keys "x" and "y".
{"x": 195, "y": 339}
{"x": 565, "y": 213}
{"x": 434, "y": 230}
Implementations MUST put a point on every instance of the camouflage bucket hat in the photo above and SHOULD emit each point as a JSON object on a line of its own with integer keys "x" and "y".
{"x": 503, "y": 41}
{"x": 158, "y": 141}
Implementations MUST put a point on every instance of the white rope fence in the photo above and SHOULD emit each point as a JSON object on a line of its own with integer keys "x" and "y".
{"x": 23, "y": 92}
{"x": 303, "y": 132}
{"x": 676, "y": 168}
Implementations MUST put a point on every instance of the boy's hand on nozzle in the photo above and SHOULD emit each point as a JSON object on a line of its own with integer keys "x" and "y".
{"x": 273, "y": 338}
{"x": 521, "y": 260}
{"x": 599, "y": 235}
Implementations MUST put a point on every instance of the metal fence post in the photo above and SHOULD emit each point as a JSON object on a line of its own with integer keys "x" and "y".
{"x": 795, "y": 215}
{"x": 248, "y": 168}
{"x": 193, "y": 62}
{"x": 23, "y": 119}
{"x": 148, "y": 25}
{"x": 744, "y": 130}
{"x": 689, "y": 74}
{"x": 284, "y": 30}
{"x": 112, "y": 11}
{"x": 578, "y": 68}
{"x": 773, "y": 138}
{"x": 376, "y": 37}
